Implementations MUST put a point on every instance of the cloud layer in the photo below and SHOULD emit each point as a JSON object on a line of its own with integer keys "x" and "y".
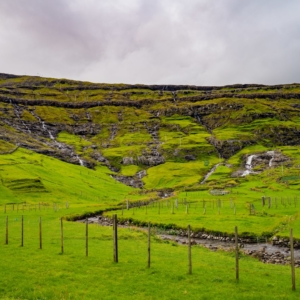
{"x": 199, "y": 42}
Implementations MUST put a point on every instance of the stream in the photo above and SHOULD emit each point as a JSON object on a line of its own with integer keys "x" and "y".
{"x": 58, "y": 145}
{"x": 264, "y": 251}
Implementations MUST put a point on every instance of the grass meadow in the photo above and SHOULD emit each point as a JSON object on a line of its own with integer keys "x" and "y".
{"x": 29, "y": 272}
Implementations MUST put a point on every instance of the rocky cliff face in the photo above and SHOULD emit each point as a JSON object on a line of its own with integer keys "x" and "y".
{"x": 122, "y": 126}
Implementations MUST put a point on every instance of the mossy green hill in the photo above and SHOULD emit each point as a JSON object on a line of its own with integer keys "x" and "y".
{"x": 61, "y": 139}
{"x": 211, "y": 157}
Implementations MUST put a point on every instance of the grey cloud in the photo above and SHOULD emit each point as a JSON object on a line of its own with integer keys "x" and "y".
{"x": 199, "y": 42}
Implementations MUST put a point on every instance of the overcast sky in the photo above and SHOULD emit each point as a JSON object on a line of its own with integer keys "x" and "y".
{"x": 200, "y": 42}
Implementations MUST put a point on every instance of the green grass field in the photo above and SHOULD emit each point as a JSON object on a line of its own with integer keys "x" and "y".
{"x": 32, "y": 273}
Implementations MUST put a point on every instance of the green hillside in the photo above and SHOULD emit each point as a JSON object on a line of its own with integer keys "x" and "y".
{"x": 103, "y": 144}
{"x": 170, "y": 155}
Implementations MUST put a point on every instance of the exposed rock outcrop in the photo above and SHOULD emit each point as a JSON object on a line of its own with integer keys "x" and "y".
{"x": 134, "y": 181}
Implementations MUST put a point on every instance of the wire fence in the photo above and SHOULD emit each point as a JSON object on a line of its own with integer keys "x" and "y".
{"x": 20, "y": 230}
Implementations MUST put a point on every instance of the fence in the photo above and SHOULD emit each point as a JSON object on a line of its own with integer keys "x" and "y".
{"x": 230, "y": 206}
{"x": 21, "y": 207}
{"x": 38, "y": 223}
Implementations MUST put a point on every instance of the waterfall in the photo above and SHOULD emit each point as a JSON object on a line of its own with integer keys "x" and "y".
{"x": 80, "y": 161}
{"x": 248, "y": 166}
{"x": 50, "y": 134}
{"x": 271, "y": 153}
{"x": 210, "y": 172}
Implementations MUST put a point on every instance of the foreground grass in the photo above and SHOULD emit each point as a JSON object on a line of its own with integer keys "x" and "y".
{"x": 31, "y": 273}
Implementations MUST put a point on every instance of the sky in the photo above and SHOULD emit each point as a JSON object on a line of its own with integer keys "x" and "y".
{"x": 195, "y": 42}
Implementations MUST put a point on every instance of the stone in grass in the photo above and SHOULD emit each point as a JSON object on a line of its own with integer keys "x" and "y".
{"x": 189, "y": 157}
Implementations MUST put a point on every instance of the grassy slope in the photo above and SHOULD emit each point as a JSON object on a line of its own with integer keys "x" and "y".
{"x": 59, "y": 182}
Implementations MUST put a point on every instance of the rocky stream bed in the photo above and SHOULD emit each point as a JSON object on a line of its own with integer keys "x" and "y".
{"x": 276, "y": 251}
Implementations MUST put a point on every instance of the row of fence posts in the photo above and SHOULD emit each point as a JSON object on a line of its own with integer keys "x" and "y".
{"x": 115, "y": 244}
{"x": 35, "y": 207}
{"x": 265, "y": 199}
{"x": 174, "y": 205}
{"x": 219, "y": 204}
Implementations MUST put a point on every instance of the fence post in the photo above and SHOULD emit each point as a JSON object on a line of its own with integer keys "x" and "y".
{"x": 86, "y": 237}
{"x": 5, "y": 208}
{"x": 189, "y": 249}
{"x": 149, "y": 233}
{"x": 6, "y": 235}
{"x": 40, "y": 223}
{"x": 22, "y": 231}
{"x": 115, "y": 237}
{"x": 292, "y": 260}
{"x": 61, "y": 236}
{"x": 236, "y": 254}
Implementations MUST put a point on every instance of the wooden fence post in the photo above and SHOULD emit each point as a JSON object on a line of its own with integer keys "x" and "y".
{"x": 292, "y": 260}
{"x": 189, "y": 249}
{"x": 236, "y": 254}
{"x": 149, "y": 234}
{"x": 86, "y": 237}
{"x": 115, "y": 238}
{"x": 6, "y": 235}
{"x": 40, "y": 227}
{"x": 61, "y": 236}
{"x": 22, "y": 231}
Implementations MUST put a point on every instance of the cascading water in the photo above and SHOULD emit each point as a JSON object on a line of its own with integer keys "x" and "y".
{"x": 248, "y": 166}
{"x": 210, "y": 173}
{"x": 80, "y": 161}
{"x": 51, "y": 136}
{"x": 60, "y": 146}
{"x": 271, "y": 153}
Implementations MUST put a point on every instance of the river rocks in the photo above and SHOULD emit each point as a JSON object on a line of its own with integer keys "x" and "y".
{"x": 276, "y": 241}
{"x": 263, "y": 252}
{"x": 272, "y": 258}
